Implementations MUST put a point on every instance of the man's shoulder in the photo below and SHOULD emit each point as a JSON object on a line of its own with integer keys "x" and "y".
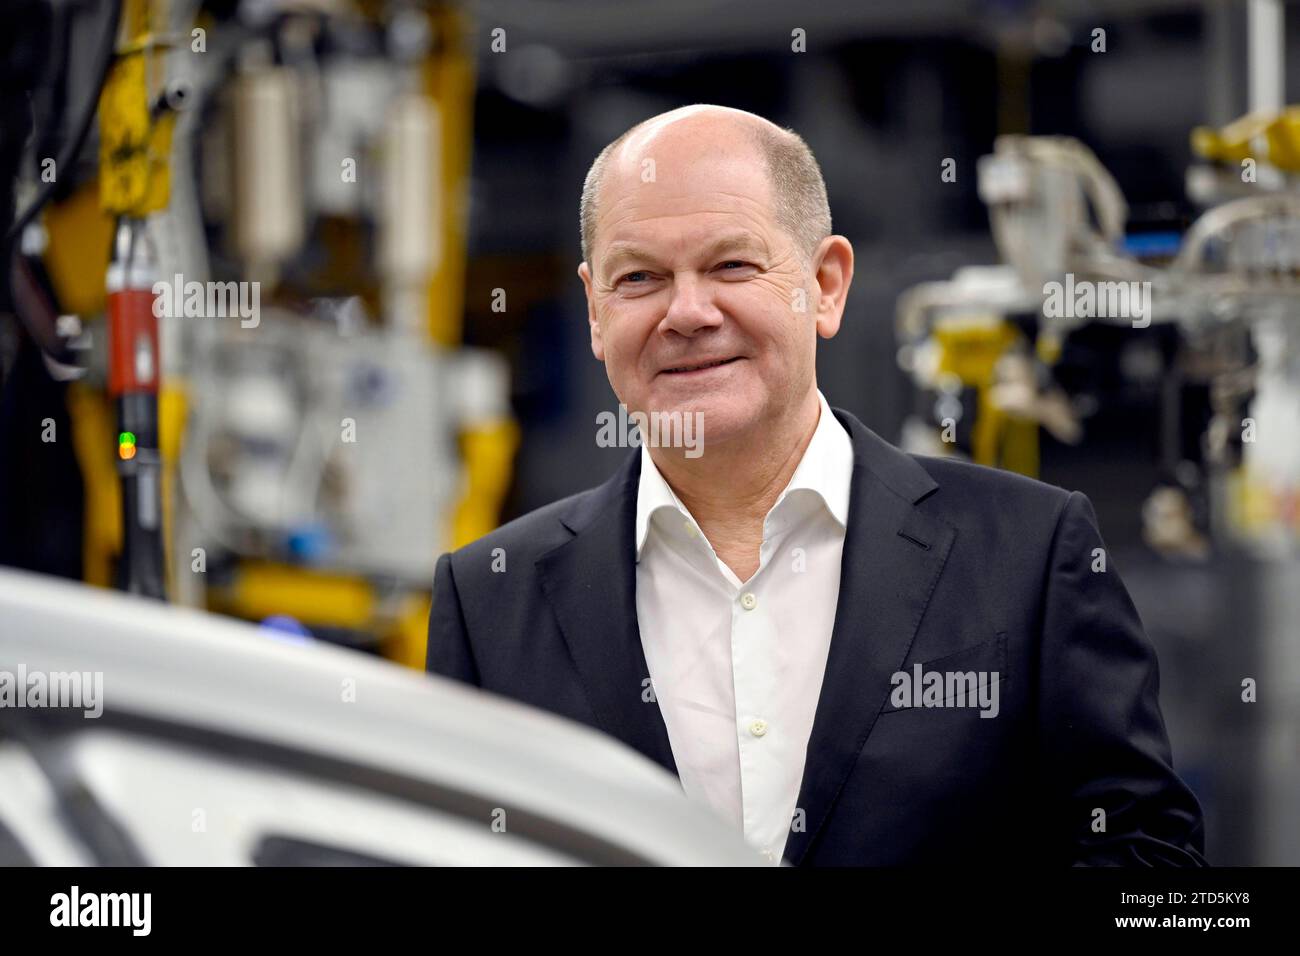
{"x": 965, "y": 487}
{"x": 531, "y": 535}
{"x": 950, "y": 487}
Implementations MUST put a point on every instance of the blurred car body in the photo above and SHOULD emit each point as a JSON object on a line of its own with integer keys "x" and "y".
{"x": 220, "y": 745}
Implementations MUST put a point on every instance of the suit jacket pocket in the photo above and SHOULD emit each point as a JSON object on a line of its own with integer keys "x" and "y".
{"x": 962, "y": 673}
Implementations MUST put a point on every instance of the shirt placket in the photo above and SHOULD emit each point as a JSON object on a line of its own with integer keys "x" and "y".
{"x": 758, "y": 728}
{"x": 752, "y": 676}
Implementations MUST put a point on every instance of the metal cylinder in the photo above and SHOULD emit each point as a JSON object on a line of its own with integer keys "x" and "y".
{"x": 267, "y": 174}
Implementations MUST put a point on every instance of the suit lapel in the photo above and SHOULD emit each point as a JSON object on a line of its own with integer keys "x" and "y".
{"x": 893, "y": 555}
{"x": 590, "y": 582}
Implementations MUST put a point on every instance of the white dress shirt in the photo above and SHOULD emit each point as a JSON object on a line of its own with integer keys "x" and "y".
{"x": 737, "y": 667}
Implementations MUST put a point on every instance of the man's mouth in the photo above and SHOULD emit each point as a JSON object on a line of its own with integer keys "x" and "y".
{"x": 700, "y": 366}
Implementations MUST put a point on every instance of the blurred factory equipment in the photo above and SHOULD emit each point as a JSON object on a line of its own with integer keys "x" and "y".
{"x": 277, "y": 416}
{"x": 1213, "y": 306}
{"x": 1180, "y": 328}
{"x": 983, "y": 347}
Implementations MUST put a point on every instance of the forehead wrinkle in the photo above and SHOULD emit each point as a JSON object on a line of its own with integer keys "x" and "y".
{"x": 754, "y": 215}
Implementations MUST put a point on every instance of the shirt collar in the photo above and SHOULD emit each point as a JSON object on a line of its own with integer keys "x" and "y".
{"x": 825, "y": 469}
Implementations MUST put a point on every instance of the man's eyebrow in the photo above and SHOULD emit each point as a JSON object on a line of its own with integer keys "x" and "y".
{"x": 731, "y": 242}
{"x": 618, "y": 251}
{"x": 734, "y": 241}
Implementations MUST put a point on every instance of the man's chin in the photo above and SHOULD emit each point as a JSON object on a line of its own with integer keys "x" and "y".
{"x": 717, "y": 422}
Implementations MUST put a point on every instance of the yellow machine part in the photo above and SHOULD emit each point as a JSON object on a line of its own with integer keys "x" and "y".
{"x": 134, "y": 146}
{"x": 76, "y": 257}
{"x": 1235, "y": 142}
{"x": 93, "y": 425}
{"x": 1256, "y": 510}
{"x": 173, "y": 408}
{"x": 1284, "y": 140}
{"x": 261, "y": 589}
{"x": 969, "y": 349}
{"x": 449, "y": 81}
{"x": 406, "y": 642}
{"x": 488, "y": 451}
{"x": 1004, "y": 441}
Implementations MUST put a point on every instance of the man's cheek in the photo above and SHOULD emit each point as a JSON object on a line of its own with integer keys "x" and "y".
{"x": 621, "y": 363}
{"x": 763, "y": 300}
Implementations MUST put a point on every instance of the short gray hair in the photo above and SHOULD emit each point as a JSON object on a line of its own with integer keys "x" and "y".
{"x": 799, "y": 199}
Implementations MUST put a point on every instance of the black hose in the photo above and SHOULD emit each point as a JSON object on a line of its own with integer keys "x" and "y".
{"x": 73, "y": 146}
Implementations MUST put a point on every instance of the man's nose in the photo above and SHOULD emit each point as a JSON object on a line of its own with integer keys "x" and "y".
{"x": 691, "y": 309}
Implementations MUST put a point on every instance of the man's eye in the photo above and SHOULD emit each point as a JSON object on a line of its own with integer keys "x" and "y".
{"x": 634, "y": 277}
{"x": 731, "y": 265}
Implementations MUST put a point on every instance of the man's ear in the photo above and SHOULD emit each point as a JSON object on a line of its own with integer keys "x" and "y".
{"x": 597, "y": 345}
{"x": 833, "y": 273}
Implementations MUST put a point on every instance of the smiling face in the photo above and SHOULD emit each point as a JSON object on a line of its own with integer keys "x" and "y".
{"x": 698, "y": 301}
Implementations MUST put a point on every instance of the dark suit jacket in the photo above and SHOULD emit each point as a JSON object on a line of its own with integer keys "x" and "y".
{"x": 947, "y": 564}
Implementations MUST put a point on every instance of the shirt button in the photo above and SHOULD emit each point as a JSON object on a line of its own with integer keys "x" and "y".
{"x": 769, "y": 856}
{"x": 690, "y": 530}
{"x": 748, "y": 601}
{"x": 758, "y": 728}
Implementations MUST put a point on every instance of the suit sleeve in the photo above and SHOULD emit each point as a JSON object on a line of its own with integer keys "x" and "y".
{"x": 448, "y": 652}
{"x": 1102, "y": 734}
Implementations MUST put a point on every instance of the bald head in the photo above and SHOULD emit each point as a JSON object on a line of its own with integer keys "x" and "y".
{"x": 798, "y": 193}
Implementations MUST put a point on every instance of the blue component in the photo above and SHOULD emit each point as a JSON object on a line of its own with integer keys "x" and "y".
{"x": 310, "y": 543}
{"x": 1146, "y": 245}
{"x": 281, "y": 627}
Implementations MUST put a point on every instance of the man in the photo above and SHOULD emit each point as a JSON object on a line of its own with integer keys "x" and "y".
{"x": 853, "y": 655}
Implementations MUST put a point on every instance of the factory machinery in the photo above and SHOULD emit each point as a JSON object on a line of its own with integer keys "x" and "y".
{"x": 254, "y": 287}
{"x": 1187, "y": 326}
{"x": 1217, "y": 306}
